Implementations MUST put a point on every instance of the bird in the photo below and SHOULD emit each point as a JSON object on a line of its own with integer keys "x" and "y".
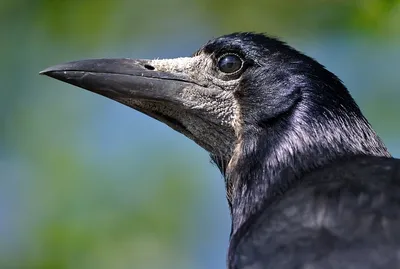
{"x": 309, "y": 183}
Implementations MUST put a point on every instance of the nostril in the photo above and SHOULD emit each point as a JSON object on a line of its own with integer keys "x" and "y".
{"x": 149, "y": 67}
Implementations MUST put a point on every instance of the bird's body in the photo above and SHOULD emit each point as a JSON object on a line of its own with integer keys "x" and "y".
{"x": 344, "y": 215}
{"x": 308, "y": 181}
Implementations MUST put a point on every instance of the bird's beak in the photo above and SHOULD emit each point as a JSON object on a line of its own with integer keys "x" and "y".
{"x": 121, "y": 79}
{"x": 173, "y": 91}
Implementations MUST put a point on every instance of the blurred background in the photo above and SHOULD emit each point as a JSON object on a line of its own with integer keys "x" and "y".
{"x": 88, "y": 183}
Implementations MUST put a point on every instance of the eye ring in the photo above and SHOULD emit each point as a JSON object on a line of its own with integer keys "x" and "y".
{"x": 230, "y": 63}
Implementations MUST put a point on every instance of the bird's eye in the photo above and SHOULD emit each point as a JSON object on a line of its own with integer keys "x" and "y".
{"x": 230, "y": 63}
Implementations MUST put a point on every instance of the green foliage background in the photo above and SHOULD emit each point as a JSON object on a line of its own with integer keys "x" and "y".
{"x": 88, "y": 183}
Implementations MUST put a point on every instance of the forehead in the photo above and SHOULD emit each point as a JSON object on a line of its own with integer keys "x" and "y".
{"x": 247, "y": 44}
{"x": 223, "y": 44}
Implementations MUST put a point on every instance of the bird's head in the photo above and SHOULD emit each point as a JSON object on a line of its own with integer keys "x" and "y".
{"x": 237, "y": 93}
{"x": 208, "y": 97}
{"x": 233, "y": 82}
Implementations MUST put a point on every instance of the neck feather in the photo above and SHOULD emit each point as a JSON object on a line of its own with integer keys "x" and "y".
{"x": 268, "y": 161}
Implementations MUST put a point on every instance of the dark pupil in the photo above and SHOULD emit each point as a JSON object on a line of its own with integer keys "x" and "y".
{"x": 229, "y": 64}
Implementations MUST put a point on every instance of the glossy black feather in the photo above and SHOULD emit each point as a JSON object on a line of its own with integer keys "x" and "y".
{"x": 345, "y": 215}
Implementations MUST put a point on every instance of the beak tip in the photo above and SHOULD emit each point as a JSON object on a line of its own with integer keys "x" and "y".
{"x": 57, "y": 69}
{"x": 48, "y": 71}
{"x": 57, "y": 73}
{"x": 44, "y": 72}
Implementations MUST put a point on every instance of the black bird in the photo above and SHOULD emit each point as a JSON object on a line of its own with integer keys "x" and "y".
{"x": 308, "y": 181}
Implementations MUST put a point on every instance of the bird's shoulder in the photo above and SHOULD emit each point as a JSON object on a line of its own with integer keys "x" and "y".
{"x": 344, "y": 215}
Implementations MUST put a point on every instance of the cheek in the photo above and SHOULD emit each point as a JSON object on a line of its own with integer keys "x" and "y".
{"x": 268, "y": 90}
{"x": 261, "y": 101}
